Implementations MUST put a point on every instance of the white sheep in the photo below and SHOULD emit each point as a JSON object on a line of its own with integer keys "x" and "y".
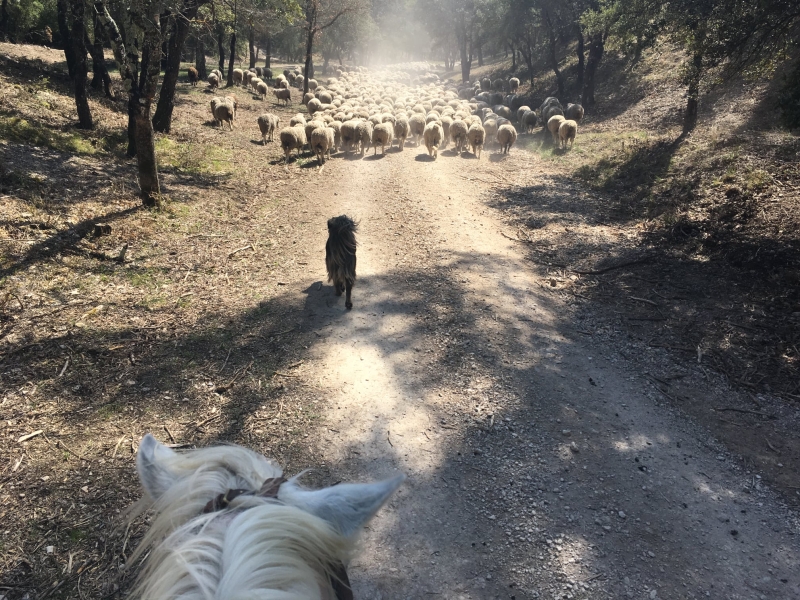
{"x": 506, "y": 136}
{"x": 458, "y": 133}
{"x": 292, "y": 138}
{"x": 513, "y": 85}
{"x": 416, "y": 126}
{"x": 213, "y": 81}
{"x": 553, "y": 123}
{"x": 567, "y": 131}
{"x": 401, "y": 131}
{"x": 382, "y": 135}
{"x": 223, "y": 111}
{"x": 262, "y": 89}
{"x": 476, "y": 136}
{"x": 238, "y": 76}
{"x": 268, "y": 123}
{"x": 283, "y": 94}
{"x": 350, "y": 138}
{"x": 322, "y": 141}
{"x": 364, "y": 134}
{"x": 433, "y": 135}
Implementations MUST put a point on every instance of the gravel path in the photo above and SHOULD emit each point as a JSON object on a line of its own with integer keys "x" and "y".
{"x": 540, "y": 464}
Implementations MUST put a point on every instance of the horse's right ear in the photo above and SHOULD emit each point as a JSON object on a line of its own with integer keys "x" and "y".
{"x": 154, "y": 475}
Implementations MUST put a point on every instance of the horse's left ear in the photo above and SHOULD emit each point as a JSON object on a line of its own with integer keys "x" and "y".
{"x": 155, "y": 476}
{"x": 347, "y": 506}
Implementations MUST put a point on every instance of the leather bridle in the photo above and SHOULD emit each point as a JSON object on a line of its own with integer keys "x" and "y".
{"x": 340, "y": 582}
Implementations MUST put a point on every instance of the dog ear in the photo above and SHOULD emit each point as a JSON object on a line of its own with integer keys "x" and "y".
{"x": 153, "y": 473}
{"x": 347, "y": 506}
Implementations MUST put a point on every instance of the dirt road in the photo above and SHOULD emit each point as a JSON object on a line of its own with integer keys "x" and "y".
{"x": 540, "y": 463}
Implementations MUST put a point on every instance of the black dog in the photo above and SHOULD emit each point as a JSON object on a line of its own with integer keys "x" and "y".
{"x": 340, "y": 255}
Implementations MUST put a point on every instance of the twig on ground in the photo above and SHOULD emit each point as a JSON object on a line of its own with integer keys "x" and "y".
{"x": 240, "y": 249}
{"x": 229, "y": 385}
{"x": 208, "y": 420}
{"x": 169, "y": 433}
{"x": 64, "y": 368}
{"x": 62, "y": 446}
{"x": 743, "y": 410}
{"x": 645, "y": 300}
{"x": 613, "y": 267}
{"x": 771, "y": 447}
{"x": 116, "y": 447}
{"x": 28, "y": 436}
{"x": 226, "y": 362}
{"x": 389, "y": 439}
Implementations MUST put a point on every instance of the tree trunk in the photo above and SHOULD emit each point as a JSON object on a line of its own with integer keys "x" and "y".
{"x": 99, "y": 69}
{"x": 81, "y": 71}
{"x": 480, "y": 54}
{"x": 221, "y": 49}
{"x": 143, "y": 96}
{"x": 4, "y": 19}
{"x": 326, "y": 59}
{"x": 553, "y": 55}
{"x": 66, "y": 37}
{"x": 200, "y": 58}
{"x": 510, "y": 46}
{"x": 580, "y": 50}
{"x": 693, "y": 77}
{"x": 596, "y": 47}
{"x": 232, "y": 58}
{"x": 167, "y": 28}
{"x": 311, "y": 24}
{"x": 251, "y": 41}
{"x": 268, "y": 51}
{"x": 466, "y": 63}
{"x": 162, "y": 120}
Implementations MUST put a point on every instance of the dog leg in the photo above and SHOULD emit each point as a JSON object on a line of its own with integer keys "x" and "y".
{"x": 347, "y": 302}
{"x": 339, "y": 289}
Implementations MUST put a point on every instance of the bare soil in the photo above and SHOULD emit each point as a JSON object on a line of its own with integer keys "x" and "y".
{"x": 537, "y": 365}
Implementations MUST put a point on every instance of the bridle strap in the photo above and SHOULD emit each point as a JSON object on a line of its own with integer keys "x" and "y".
{"x": 340, "y": 582}
{"x": 269, "y": 489}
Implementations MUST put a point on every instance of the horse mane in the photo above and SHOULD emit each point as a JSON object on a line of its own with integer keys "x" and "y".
{"x": 256, "y": 549}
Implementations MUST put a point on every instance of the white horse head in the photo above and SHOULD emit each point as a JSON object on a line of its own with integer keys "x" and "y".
{"x": 221, "y": 533}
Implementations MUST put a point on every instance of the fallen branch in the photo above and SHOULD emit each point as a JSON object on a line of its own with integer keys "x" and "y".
{"x": 743, "y": 410}
{"x": 29, "y": 436}
{"x": 613, "y": 267}
{"x": 225, "y": 388}
{"x": 240, "y": 249}
{"x": 169, "y": 433}
{"x": 208, "y": 420}
{"x": 645, "y": 300}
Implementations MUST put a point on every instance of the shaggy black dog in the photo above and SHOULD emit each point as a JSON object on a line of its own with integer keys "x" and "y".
{"x": 340, "y": 255}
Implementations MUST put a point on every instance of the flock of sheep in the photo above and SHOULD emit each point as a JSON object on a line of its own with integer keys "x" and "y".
{"x": 353, "y": 112}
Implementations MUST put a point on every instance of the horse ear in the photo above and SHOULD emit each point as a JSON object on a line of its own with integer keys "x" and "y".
{"x": 347, "y": 506}
{"x": 154, "y": 475}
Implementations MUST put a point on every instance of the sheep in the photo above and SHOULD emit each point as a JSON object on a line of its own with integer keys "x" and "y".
{"x": 574, "y": 112}
{"x": 364, "y": 135}
{"x": 213, "y": 81}
{"x": 350, "y": 135}
{"x": 553, "y": 124}
{"x": 486, "y": 84}
{"x": 433, "y": 135}
{"x": 499, "y": 85}
{"x": 309, "y": 129}
{"x": 292, "y": 78}
{"x": 521, "y": 112}
{"x": 513, "y": 85}
{"x": 506, "y": 136}
{"x": 312, "y": 84}
{"x": 401, "y": 129}
{"x": 262, "y": 89}
{"x": 550, "y": 108}
{"x": 490, "y": 127}
{"x": 248, "y": 77}
{"x": 292, "y": 138}
{"x": 476, "y": 136}
{"x": 325, "y": 97}
{"x": 337, "y": 134}
{"x": 313, "y": 106}
{"x": 567, "y": 131}
{"x": 283, "y": 94}
{"x": 416, "y": 126}
{"x": 283, "y": 84}
{"x": 223, "y": 111}
{"x": 298, "y": 119}
{"x": 322, "y": 140}
{"x": 238, "y": 76}
{"x": 529, "y": 121}
{"x": 194, "y": 77}
{"x": 458, "y": 133}
{"x": 382, "y": 135}
{"x": 267, "y": 123}
{"x": 235, "y": 103}
{"x": 218, "y": 73}
{"x": 446, "y": 122}
{"x": 266, "y": 73}
{"x": 298, "y": 81}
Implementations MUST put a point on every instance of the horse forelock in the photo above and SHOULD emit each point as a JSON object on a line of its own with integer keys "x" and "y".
{"x": 256, "y": 548}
